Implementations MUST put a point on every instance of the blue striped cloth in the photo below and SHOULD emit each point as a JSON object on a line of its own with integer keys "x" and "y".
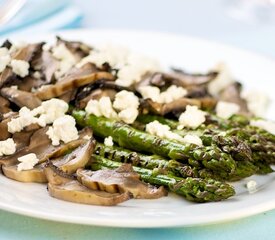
{"x": 43, "y": 15}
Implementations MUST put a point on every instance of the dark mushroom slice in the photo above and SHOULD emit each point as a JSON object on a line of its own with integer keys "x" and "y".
{"x": 26, "y": 53}
{"x": 176, "y": 77}
{"x": 4, "y": 106}
{"x": 78, "y": 158}
{"x": 36, "y": 174}
{"x": 233, "y": 94}
{"x": 63, "y": 186}
{"x": 40, "y": 144}
{"x": 68, "y": 96}
{"x": 122, "y": 179}
{"x": 21, "y": 98}
{"x": 184, "y": 79}
{"x": 46, "y": 64}
{"x": 4, "y": 119}
{"x": 78, "y": 49}
{"x": 29, "y": 83}
{"x": 96, "y": 90}
{"x": 177, "y": 106}
{"x": 69, "y": 82}
{"x": 95, "y": 95}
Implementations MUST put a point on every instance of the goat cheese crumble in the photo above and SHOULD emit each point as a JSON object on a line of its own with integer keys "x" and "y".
{"x": 264, "y": 124}
{"x": 131, "y": 67}
{"x": 108, "y": 141}
{"x": 63, "y": 129}
{"x": 257, "y": 102}
{"x": 251, "y": 186}
{"x": 65, "y": 57}
{"x": 192, "y": 139}
{"x": 42, "y": 115}
{"x": 163, "y": 131}
{"x": 4, "y": 58}
{"x": 20, "y": 67}
{"x": 193, "y": 117}
{"x": 125, "y": 99}
{"x": 101, "y": 107}
{"x": 222, "y": 80}
{"x": 226, "y": 109}
{"x": 171, "y": 94}
{"x": 128, "y": 115}
{"x": 27, "y": 162}
{"x": 126, "y": 104}
{"x": 7, "y": 147}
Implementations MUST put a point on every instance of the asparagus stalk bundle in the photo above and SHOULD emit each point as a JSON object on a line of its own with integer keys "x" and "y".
{"x": 243, "y": 142}
{"x": 211, "y": 157}
{"x": 193, "y": 189}
{"x": 172, "y": 167}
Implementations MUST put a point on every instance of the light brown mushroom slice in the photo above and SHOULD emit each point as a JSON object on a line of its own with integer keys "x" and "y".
{"x": 36, "y": 174}
{"x": 21, "y": 98}
{"x": 63, "y": 187}
{"x": 122, "y": 179}
{"x": 69, "y": 83}
{"x": 78, "y": 158}
{"x": 179, "y": 105}
{"x": 73, "y": 191}
{"x": 4, "y": 105}
{"x": 4, "y": 133}
{"x": 26, "y": 54}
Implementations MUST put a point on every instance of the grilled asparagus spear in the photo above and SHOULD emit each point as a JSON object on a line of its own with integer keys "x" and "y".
{"x": 193, "y": 189}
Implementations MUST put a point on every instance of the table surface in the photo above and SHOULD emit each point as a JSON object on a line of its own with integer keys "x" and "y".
{"x": 206, "y": 19}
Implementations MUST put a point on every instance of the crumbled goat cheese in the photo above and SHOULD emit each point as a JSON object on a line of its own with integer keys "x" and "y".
{"x": 222, "y": 80}
{"x": 4, "y": 58}
{"x": 251, "y": 186}
{"x": 14, "y": 87}
{"x": 24, "y": 119}
{"x": 7, "y": 147}
{"x": 63, "y": 129}
{"x": 128, "y": 115}
{"x": 65, "y": 57}
{"x": 27, "y": 162}
{"x": 127, "y": 104}
{"x": 125, "y": 99}
{"x": 50, "y": 110}
{"x": 162, "y": 131}
{"x": 4, "y": 51}
{"x": 108, "y": 141}
{"x": 150, "y": 92}
{"x": 20, "y": 67}
{"x": 135, "y": 68}
{"x": 193, "y": 117}
{"x": 37, "y": 75}
{"x": 42, "y": 115}
{"x": 257, "y": 102}
{"x": 114, "y": 55}
{"x": 171, "y": 94}
{"x": 264, "y": 124}
{"x": 101, "y": 107}
{"x": 192, "y": 139}
{"x": 226, "y": 109}
{"x": 131, "y": 67}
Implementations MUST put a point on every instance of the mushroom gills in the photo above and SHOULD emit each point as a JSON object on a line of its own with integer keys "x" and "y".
{"x": 122, "y": 179}
{"x": 64, "y": 187}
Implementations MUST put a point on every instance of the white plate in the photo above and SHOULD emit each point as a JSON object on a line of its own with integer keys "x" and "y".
{"x": 188, "y": 53}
